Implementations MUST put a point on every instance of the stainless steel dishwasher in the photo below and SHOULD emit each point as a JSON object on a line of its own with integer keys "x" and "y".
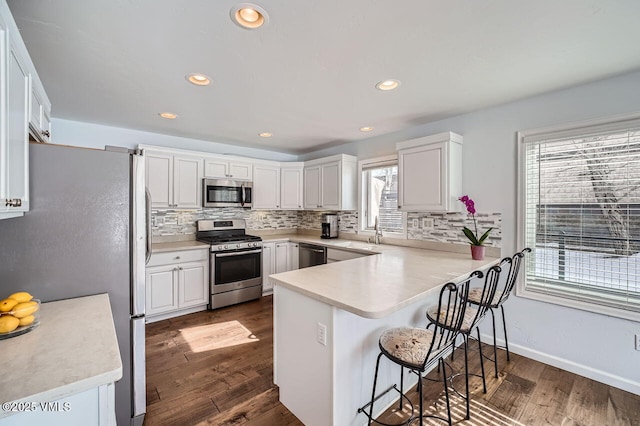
{"x": 311, "y": 255}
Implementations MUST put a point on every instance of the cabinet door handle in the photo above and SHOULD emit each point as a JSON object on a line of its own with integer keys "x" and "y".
{"x": 46, "y": 133}
{"x": 277, "y": 207}
{"x": 177, "y": 257}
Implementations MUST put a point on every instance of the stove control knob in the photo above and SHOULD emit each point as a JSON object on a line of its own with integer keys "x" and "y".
{"x": 255, "y": 244}
{"x": 226, "y": 246}
{"x": 219, "y": 247}
{"x": 237, "y": 245}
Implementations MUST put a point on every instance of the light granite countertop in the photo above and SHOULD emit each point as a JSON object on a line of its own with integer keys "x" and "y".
{"x": 74, "y": 349}
{"x": 378, "y": 285}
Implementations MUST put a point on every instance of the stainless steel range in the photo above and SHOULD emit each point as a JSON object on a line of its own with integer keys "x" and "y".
{"x": 235, "y": 262}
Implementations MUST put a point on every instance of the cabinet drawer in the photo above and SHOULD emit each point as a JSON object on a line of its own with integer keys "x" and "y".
{"x": 181, "y": 256}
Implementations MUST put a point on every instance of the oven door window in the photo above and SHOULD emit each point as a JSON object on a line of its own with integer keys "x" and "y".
{"x": 237, "y": 267}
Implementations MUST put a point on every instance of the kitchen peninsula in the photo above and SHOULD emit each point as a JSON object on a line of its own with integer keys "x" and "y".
{"x": 328, "y": 318}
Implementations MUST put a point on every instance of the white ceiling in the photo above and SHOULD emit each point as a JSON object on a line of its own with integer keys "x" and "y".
{"x": 308, "y": 77}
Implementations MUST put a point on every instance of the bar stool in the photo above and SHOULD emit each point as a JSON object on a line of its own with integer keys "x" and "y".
{"x": 473, "y": 316}
{"x": 420, "y": 350}
{"x": 501, "y": 296}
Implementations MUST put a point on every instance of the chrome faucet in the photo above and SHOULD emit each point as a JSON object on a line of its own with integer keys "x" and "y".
{"x": 378, "y": 235}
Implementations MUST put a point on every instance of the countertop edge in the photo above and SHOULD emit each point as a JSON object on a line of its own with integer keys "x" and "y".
{"x": 379, "y": 313}
{"x": 178, "y": 246}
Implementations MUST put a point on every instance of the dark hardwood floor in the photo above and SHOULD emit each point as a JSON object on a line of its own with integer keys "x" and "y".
{"x": 216, "y": 368}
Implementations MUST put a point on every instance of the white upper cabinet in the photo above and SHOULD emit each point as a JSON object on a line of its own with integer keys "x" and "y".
{"x": 330, "y": 183}
{"x": 430, "y": 173}
{"x": 17, "y": 77}
{"x": 224, "y": 168}
{"x": 291, "y": 179}
{"x": 187, "y": 182}
{"x": 277, "y": 186}
{"x": 39, "y": 113}
{"x": 266, "y": 187}
{"x": 174, "y": 181}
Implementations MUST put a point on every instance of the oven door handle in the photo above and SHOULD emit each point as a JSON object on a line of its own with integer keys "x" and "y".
{"x": 237, "y": 253}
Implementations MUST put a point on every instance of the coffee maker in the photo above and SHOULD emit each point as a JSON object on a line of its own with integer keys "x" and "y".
{"x": 329, "y": 226}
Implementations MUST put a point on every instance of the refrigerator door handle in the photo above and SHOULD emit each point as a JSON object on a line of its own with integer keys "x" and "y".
{"x": 147, "y": 199}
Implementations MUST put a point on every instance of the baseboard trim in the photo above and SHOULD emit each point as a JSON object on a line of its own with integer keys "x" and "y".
{"x": 571, "y": 366}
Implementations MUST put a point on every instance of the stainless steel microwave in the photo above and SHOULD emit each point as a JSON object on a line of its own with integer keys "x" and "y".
{"x": 226, "y": 193}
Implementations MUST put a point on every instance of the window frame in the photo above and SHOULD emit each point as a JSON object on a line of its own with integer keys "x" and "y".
{"x": 576, "y": 130}
{"x": 386, "y": 160}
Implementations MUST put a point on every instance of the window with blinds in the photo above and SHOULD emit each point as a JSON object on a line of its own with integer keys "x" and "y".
{"x": 581, "y": 214}
{"x": 380, "y": 196}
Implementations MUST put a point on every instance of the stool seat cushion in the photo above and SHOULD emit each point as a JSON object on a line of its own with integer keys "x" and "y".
{"x": 409, "y": 345}
{"x": 475, "y": 295}
{"x": 467, "y": 322}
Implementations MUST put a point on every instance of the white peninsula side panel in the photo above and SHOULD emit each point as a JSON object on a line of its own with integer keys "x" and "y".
{"x": 337, "y": 377}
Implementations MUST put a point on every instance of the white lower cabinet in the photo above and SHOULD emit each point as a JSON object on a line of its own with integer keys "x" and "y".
{"x": 177, "y": 283}
{"x": 294, "y": 262}
{"x": 268, "y": 266}
{"x": 277, "y": 257}
{"x": 282, "y": 257}
{"x": 95, "y": 406}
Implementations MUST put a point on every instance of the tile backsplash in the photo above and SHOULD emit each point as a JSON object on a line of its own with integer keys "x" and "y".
{"x": 436, "y": 227}
{"x": 447, "y": 227}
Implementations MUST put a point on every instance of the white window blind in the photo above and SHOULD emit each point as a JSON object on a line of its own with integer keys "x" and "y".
{"x": 582, "y": 214}
{"x": 380, "y": 196}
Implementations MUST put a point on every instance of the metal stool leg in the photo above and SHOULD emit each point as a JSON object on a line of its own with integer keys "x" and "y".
{"x": 504, "y": 325}
{"x": 421, "y": 399}
{"x": 373, "y": 392}
{"x": 466, "y": 374}
{"x": 401, "y": 385}
{"x": 446, "y": 392}
{"x": 484, "y": 382}
{"x": 495, "y": 347}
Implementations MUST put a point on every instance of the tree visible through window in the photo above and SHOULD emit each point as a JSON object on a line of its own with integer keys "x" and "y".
{"x": 380, "y": 197}
{"x": 582, "y": 216}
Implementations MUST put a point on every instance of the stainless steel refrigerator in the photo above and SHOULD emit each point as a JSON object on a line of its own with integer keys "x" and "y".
{"x": 86, "y": 234}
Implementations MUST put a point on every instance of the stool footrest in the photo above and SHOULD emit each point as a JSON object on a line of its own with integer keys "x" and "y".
{"x": 369, "y": 415}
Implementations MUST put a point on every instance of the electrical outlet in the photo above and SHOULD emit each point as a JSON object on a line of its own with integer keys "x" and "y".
{"x": 427, "y": 223}
{"x": 180, "y": 220}
{"x": 321, "y": 333}
{"x": 637, "y": 342}
{"x": 415, "y": 223}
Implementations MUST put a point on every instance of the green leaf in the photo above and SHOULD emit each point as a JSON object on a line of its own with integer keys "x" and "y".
{"x": 484, "y": 236}
{"x": 471, "y": 236}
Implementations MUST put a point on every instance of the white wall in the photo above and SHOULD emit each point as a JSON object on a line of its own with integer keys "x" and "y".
{"x": 76, "y": 133}
{"x": 592, "y": 345}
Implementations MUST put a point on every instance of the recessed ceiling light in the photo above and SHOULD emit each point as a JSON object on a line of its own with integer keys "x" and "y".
{"x": 366, "y": 129}
{"x": 168, "y": 115}
{"x": 249, "y": 16}
{"x": 198, "y": 79}
{"x": 387, "y": 85}
{"x": 265, "y": 135}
